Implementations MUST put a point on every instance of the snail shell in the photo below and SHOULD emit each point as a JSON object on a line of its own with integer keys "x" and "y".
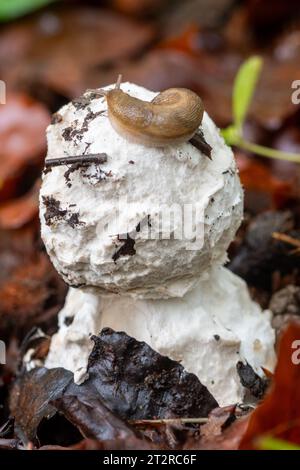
{"x": 170, "y": 118}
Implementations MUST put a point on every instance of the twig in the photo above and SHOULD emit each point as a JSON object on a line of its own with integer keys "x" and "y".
{"x": 80, "y": 159}
{"x": 287, "y": 239}
{"x": 11, "y": 444}
{"x": 6, "y": 428}
{"x": 141, "y": 422}
{"x": 200, "y": 143}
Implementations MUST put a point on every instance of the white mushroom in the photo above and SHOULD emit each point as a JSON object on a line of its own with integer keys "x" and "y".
{"x": 165, "y": 287}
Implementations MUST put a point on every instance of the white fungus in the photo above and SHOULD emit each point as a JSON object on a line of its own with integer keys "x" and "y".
{"x": 167, "y": 288}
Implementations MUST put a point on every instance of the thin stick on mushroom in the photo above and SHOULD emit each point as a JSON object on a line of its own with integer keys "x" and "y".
{"x": 80, "y": 159}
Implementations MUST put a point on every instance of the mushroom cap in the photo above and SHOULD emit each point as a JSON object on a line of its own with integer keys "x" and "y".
{"x": 106, "y": 227}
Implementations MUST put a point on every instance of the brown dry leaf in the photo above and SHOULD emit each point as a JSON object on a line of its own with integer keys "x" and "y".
{"x": 23, "y": 122}
{"x": 287, "y": 46}
{"x": 211, "y": 14}
{"x": 18, "y": 212}
{"x": 15, "y": 247}
{"x": 139, "y": 7}
{"x": 130, "y": 443}
{"x": 41, "y": 392}
{"x": 260, "y": 254}
{"x": 261, "y": 184}
{"x": 127, "y": 380}
{"x": 32, "y": 295}
{"x": 272, "y": 103}
{"x": 30, "y": 399}
{"x": 217, "y": 422}
{"x": 289, "y": 140}
{"x": 279, "y": 414}
{"x": 142, "y": 383}
{"x": 60, "y": 47}
{"x": 228, "y": 440}
{"x": 262, "y": 17}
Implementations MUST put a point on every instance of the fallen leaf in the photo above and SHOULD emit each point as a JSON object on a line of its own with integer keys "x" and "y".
{"x": 23, "y": 122}
{"x": 136, "y": 382}
{"x": 285, "y": 306}
{"x": 218, "y": 420}
{"x": 18, "y": 212}
{"x": 260, "y": 255}
{"x": 139, "y": 7}
{"x": 210, "y": 14}
{"x": 278, "y": 415}
{"x": 32, "y": 295}
{"x": 60, "y": 47}
{"x": 286, "y": 301}
{"x": 31, "y": 396}
{"x": 255, "y": 384}
{"x": 40, "y": 393}
{"x": 229, "y": 440}
{"x": 16, "y": 246}
{"x": 87, "y": 412}
{"x": 126, "y": 380}
{"x": 132, "y": 443}
{"x": 266, "y": 20}
{"x": 261, "y": 183}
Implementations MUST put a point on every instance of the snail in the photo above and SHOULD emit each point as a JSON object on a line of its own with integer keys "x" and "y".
{"x": 172, "y": 117}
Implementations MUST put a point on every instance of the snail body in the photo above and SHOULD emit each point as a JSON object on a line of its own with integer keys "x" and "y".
{"x": 172, "y": 117}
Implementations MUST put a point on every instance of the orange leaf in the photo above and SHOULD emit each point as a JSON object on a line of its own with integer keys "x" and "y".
{"x": 256, "y": 176}
{"x": 16, "y": 213}
{"x": 279, "y": 414}
{"x": 23, "y": 122}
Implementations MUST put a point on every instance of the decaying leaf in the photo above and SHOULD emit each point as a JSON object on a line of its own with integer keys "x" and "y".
{"x": 127, "y": 380}
{"x": 260, "y": 254}
{"x": 139, "y": 7}
{"x": 136, "y": 382}
{"x": 31, "y": 296}
{"x": 264, "y": 189}
{"x": 18, "y": 212}
{"x": 285, "y": 305}
{"x": 255, "y": 384}
{"x": 229, "y": 439}
{"x": 86, "y": 411}
{"x": 76, "y": 40}
{"x": 23, "y": 122}
{"x": 31, "y": 396}
{"x": 218, "y": 420}
{"x": 279, "y": 414}
{"x": 130, "y": 443}
{"x": 40, "y": 393}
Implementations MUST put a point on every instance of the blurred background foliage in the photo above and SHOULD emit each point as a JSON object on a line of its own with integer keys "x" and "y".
{"x": 10, "y": 9}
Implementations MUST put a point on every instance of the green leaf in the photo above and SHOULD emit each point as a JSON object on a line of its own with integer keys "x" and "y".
{"x": 271, "y": 443}
{"x": 231, "y": 135}
{"x": 244, "y": 87}
{"x": 11, "y": 9}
